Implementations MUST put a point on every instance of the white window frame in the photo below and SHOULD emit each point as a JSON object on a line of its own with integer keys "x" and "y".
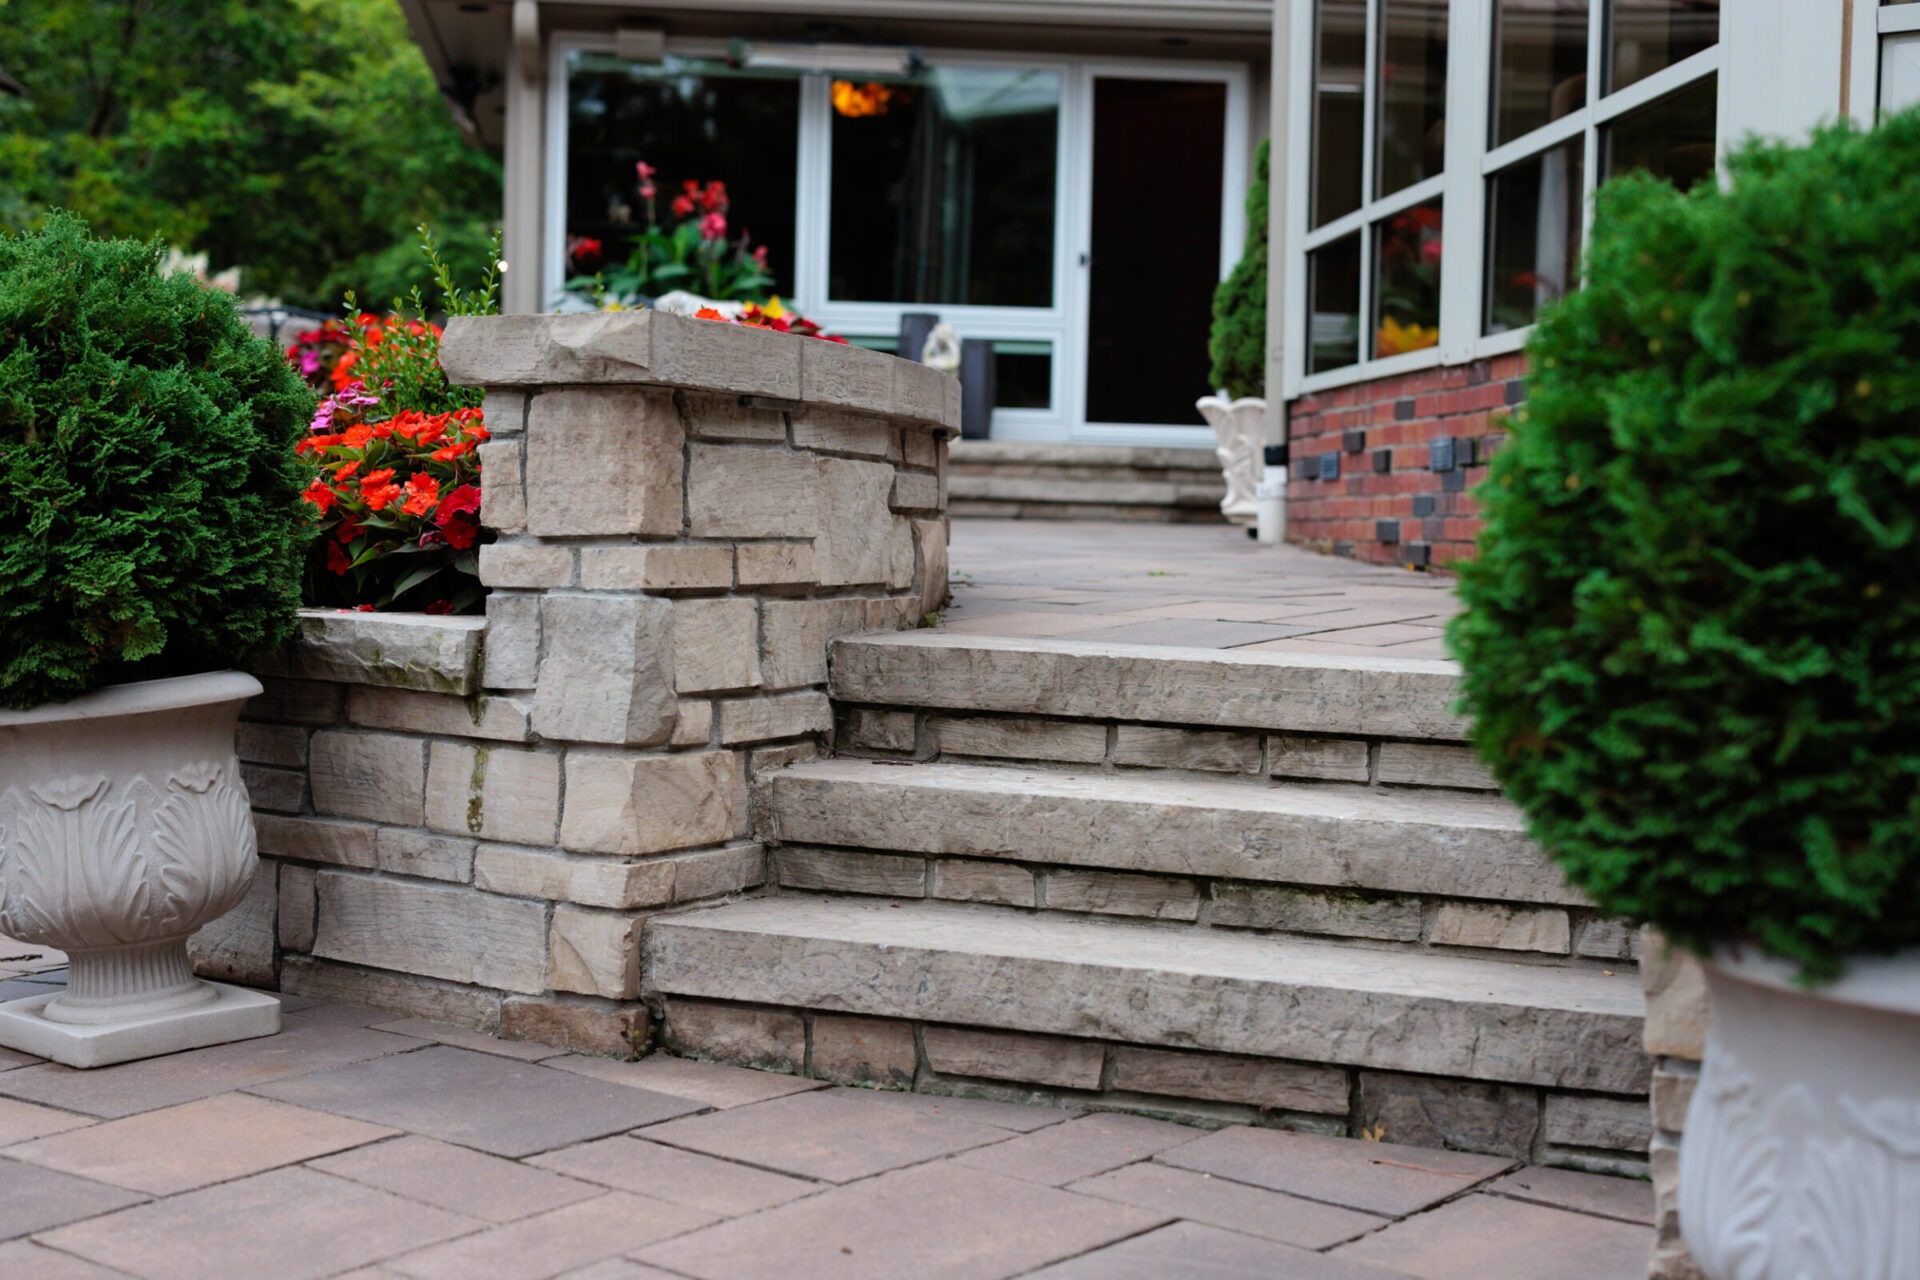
{"x": 1063, "y": 324}
{"x": 1462, "y": 186}
{"x": 1872, "y": 22}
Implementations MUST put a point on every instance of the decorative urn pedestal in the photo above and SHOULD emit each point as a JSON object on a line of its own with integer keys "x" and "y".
{"x": 124, "y": 827}
{"x": 1802, "y": 1156}
{"x": 1239, "y": 426}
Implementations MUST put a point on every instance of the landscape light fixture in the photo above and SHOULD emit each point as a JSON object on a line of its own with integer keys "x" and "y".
{"x": 867, "y": 59}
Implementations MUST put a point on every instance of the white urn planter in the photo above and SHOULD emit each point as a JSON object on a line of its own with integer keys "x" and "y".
{"x": 124, "y": 827}
{"x": 1239, "y": 426}
{"x": 1802, "y": 1151}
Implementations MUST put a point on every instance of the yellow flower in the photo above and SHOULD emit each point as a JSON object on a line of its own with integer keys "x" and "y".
{"x": 1394, "y": 338}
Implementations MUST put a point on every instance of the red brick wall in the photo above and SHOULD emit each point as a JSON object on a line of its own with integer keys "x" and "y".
{"x": 1389, "y": 503}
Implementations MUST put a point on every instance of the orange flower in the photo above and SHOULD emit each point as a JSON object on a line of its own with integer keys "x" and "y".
{"x": 357, "y": 436}
{"x": 377, "y": 489}
{"x": 422, "y": 492}
{"x": 458, "y": 449}
{"x": 707, "y": 313}
{"x": 321, "y": 494}
{"x": 348, "y": 469}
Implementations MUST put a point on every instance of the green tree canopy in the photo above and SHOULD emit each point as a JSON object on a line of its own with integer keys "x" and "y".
{"x": 302, "y": 140}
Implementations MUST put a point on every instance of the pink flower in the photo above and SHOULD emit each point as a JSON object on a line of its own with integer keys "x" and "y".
{"x": 1430, "y": 251}
{"x": 760, "y": 257}
{"x": 713, "y": 227}
{"x": 645, "y": 170}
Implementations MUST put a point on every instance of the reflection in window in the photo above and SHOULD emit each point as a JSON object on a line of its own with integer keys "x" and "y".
{"x": 1333, "y": 292}
{"x": 1671, "y": 138}
{"x": 1339, "y": 79}
{"x": 943, "y": 188}
{"x": 692, "y": 120}
{"x": 1406, "y": 275}
{"x": 1023, "y": 375}
{"x": 1540, "y": 72}
{"x": 1413, "y": 92}
{"x": 1646, "y": 36}
{"x": 1533, "y": 235}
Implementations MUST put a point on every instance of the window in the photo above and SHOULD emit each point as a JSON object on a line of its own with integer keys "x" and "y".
{"x": 692, "y": 119}
{"x": 943, "y": 187}
{"x": 1446, "y": 156}
{"x": 1379, "y": 137}
{"x": 1898, "y": 31}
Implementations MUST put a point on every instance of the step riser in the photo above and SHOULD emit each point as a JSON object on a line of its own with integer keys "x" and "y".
{"x": 1196, "y": 839}
{"x": 919, "y": 733}
{"x": 1554, "y": 934}
{"x": 1279, "y": 693}
{"x": 1272, "y": 1016}
{"x": 1566, "y": 1129}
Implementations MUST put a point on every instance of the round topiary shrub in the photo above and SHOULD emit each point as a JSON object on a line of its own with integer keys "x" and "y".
{"x": 1692, "y": 634}
{"x": 150, "y": 515}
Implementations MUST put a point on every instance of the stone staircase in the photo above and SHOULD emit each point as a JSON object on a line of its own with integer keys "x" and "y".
{"x": 1217, "y": 885}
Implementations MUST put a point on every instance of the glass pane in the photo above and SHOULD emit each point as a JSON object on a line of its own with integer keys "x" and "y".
{"x": 1339, "y": 91}
{"x": 1647, "y": 35}
{"x": 1541, "y": 71}
{"x": 1533, "y": 235}
{"x": 943, "y": 187}
{"x": 1023, "y": 375}
{"x": 1413, "y": 92}
{"x": 1333, "y": 293}
{"x": 692, "y": 120}
{"x": 1671, "y": 138}
{"x": 1406, "y": 280}
{"x": 1899, "y": 71}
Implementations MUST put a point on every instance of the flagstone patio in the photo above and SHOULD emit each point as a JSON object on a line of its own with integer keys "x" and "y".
{"x": 363, "y": 1144}
{"x": 1194, "y": 586}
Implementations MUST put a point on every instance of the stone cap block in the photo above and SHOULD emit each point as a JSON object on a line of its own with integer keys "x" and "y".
{"x": 435, "y": 654}
{"x": 650, "y": 347}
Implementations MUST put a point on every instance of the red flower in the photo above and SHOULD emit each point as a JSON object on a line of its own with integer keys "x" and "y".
{"x": 377, "y": 489}
{"x": 440, "y": 606}
{"x": 459, "y": 516}
{"x": 338, "y": 561}
{"x": 321, "y": 495}
{"x": 713, "y": 227}
{"x": 683, "y": 206}
{"x": 422, "y": 492}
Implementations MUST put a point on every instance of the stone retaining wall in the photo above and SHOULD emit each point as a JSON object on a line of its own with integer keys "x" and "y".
{"x": 1677, "y": 1040}
{"x": 470, "y": 818}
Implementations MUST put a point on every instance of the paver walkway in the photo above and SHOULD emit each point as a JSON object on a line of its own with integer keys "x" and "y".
{"x": 1198, "y": 586}
{"x": 361, "y": 1143}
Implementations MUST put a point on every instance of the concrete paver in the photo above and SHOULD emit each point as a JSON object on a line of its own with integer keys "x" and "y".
{"x": 828, "y": 1136}
{"x": 1235, "y": 1206}
{"x": 1189, "y": 586}
{"x": 1376, "y": 1177}
{"x": 1193, "y": 1251}
{"x": 936, "y": 1222}
{"x": 457, "y": 1178}
{"x": 291, "y": 1224}
{"x": 559, "y": 1239}
{"x": 667, "y": 1173}
{"x": 905, "y": 1184}
{"x": 1483, "y": 1236}
{"x": 479, "y": 1100}
{"x": 196, "y": 1143}
{"x": 1061, "y": 1153}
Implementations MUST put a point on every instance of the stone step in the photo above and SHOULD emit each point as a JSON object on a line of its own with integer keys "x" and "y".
{"x": 995, "y": 968}
{"x": 1449, "y": 844}
{"x": 1374, "y": 698}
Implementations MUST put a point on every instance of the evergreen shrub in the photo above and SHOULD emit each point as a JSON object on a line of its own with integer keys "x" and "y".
{"x": 1692, "y": 634}
{"x": 1238, "y": 343}
{"x": 150, "y": 514}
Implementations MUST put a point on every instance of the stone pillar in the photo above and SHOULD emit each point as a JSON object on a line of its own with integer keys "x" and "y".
{"x": 1676, "y": 1037}
{"x": 685, "y": 513}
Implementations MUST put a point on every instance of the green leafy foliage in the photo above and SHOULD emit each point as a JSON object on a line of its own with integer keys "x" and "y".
{"x": 1692, "y": 635}
{"x": 150, "y": 514}
{"x": 1238, "y": 344}
{"x": 301, "y": 140}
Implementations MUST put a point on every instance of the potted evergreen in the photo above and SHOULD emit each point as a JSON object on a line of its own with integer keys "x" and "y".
{"x": 1692, "y": 655}
{"x": 150, "y": 541}
{"x": 1238, "y": 348}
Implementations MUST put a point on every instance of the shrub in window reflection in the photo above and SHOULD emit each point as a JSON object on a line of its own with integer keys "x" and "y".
{"x": 694, "y": 252}
{"x": 1409, "y": 282}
